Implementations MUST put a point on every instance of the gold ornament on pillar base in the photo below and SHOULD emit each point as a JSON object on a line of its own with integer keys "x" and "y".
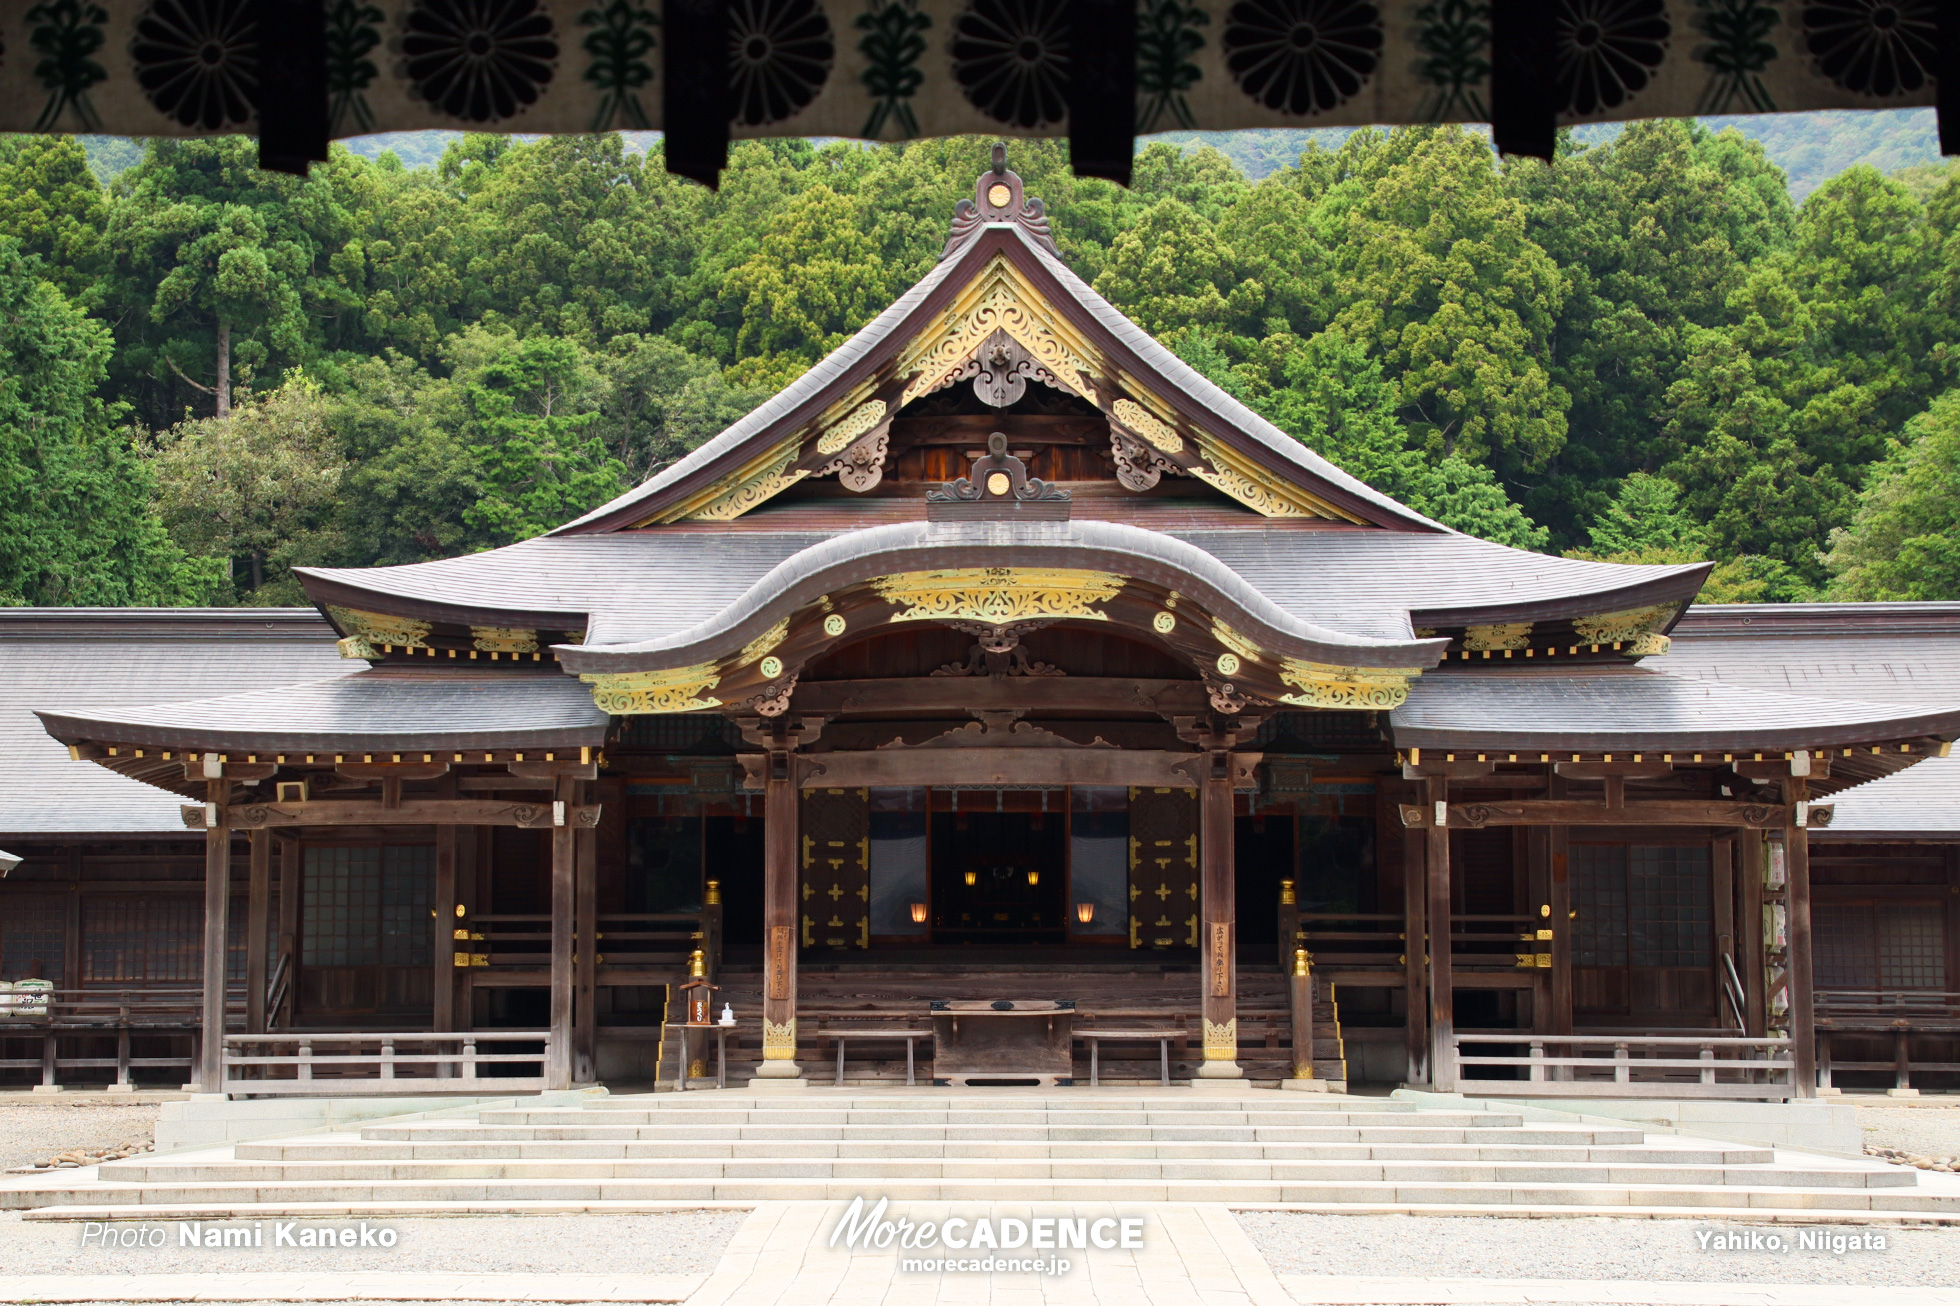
{"x": 1221, "y": 1051}
{"x": 779, "y": 1041}
{"x": 1302, "y": 962}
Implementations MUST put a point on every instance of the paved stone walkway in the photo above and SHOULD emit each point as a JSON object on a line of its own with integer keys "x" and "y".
{"x": 1192, "y": 1255}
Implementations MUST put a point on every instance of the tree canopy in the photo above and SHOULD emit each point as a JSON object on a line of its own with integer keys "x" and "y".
{"x": 1643, "y": 352}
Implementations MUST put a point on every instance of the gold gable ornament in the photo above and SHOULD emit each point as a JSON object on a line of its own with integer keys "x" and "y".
{"x": 643, "y": 693}
{"x": 997, "y": 595}
{"x": 1637, "y": 630}
{"x": 1351, "y": 688}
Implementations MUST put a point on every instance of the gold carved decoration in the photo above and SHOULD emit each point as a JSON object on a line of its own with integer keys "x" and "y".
{"x": 997, "y": 300}
{"x": 779, "y": 1041}
{"x": 1238, "y": 643}
{"x": 1504, "y": 635}
{"x": 1258, "y": 489}
{"x": 504, "y": 639}
{"x": 1357, "y": 688}
{"x": 839, "y": 436}
{"x": 369, "y": 632}
{"x": 762, "y": 643}
{"x": 639, "y": 693}
{"x": 1147, "y": 424}
{"x": 1637, "y": 627}
{"x": 737, "y": 493}
{"x": 997, "y": 595}
{"x": 1222, "y": 1040}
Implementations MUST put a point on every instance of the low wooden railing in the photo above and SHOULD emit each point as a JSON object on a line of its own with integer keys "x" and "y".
{"x": 1632, "y": 1065}
{"x": 328, "y": 1064}
{"x": 84, "y": 1019}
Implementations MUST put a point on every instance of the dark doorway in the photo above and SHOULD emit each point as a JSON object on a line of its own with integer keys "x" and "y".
{"x": 734, "y": 853}
{"x": 1262, "y": 857}
{"x": 999, "y": 877}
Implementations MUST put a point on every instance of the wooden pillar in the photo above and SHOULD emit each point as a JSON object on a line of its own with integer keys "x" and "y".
{"x": 217, "y": 911}
{"x": 779, "y": 910}
{"x": 1749, "y": 851}
{"x": 1722, "y": 886}
{"x": 1803, "y": 1014}
{"x": 1218, "y": 923}
{"x": 258, "y": 908}
{"x": 585, "y": 976}
{"x": 1442, "y": 991}
{"x": 558, "y": 1066}
{"x": 1415, "y": 944}
{"x": 292, "y": 859}
{"x": 1560, "y": 839}
{"x": 443, "y": 954}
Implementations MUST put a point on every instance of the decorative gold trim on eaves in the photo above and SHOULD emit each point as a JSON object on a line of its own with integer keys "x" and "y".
{"x": 1637, "y": 628}
{"x": 763, "y": 643}
{"x": 643, "y": 693}
{"x": 368, "y": 633}
{"x": 503, "y": 639}
{"x": 756, "y": 482}
{"x": 1258, "y": 489}
{"x": 997, "y": 595}
{"x": 1367, "y": 689}
{"x": 1500, "y": 635}
{"x": 998, "y": 299}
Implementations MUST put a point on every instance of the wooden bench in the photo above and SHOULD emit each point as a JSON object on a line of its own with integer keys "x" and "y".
{"x": 911, "y": 1037}
{"x": 1162, "y": 1037}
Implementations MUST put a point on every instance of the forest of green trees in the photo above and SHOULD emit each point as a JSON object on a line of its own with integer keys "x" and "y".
{"x": 1645, "y": 351}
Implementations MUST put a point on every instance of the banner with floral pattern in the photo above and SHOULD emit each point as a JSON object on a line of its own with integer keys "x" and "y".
{"x": 894, "y": 69}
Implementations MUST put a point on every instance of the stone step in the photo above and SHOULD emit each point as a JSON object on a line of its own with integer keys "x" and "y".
{"x": 241, "y": 1199}
{"x": 1025, "y": 1133}
{"x": 403, "y": 1210}
{"x": 680, "y": 1148}
{"x": 891, "y": 1119}
{"x": 681, "y": 1170}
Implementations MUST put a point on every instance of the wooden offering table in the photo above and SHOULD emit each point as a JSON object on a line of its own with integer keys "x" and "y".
{"x": 1002, "y": 1042}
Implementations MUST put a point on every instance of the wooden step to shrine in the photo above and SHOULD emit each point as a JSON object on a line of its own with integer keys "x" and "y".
{"x": 1251, "y": 1147}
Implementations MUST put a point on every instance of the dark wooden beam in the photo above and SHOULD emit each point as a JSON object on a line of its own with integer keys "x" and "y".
{"x": 958, "y": 694}
{"x": 1644, "y": 770}
{"x": 410, "y": 811}
{"x": 391, "y": 770}
{"x": 553, "y": 770}
{"x": 1535, "y": 811}
{"x": 998, "y": 766}
{"x": 1445, "y": 770}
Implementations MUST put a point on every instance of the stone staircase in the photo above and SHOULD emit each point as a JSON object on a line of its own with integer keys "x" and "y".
{"x": 1251, "y": 1147}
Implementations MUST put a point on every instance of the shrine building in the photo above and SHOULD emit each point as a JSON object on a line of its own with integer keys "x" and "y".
{"x": 1001, "y": 658}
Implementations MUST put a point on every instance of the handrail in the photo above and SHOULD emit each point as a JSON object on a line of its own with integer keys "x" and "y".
{"x": 447, "y": 1070}
{"x": 275, "y": 988}
{"x": 1733, "y": 990}
{"x": 1761, "y": 1068}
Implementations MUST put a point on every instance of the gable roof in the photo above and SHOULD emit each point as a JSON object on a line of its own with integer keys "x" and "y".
{"x": 1146, "y": 389}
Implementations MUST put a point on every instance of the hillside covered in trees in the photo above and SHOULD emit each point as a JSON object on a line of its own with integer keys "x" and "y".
{"x": 1644, "y": 352}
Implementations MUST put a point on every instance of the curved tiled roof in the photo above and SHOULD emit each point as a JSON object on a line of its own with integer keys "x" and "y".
{"x": 632, "y": 587}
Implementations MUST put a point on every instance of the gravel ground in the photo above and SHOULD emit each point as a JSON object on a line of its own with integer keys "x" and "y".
{"x": 669, "y": 1242}
{"x": 35, "y": 1129}
{"x": 1666, "y": 1250}
{"x": 1918, "y": 1130}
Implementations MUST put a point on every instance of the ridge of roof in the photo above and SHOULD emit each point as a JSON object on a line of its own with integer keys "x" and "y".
{"x": 1913, "y": 618}
{"x": 162, "y": 623}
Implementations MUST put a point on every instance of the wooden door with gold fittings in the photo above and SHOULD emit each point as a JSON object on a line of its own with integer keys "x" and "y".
{"x": 1163, "y": 868}
{"x": 836, "y": 889}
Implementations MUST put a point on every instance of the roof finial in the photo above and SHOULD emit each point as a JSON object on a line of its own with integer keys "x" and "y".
{"x": 998, "y": 198}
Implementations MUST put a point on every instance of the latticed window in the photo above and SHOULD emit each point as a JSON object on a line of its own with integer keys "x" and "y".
{"x": 33, "y": 939}
{"x": 368, "y": 906}
{"x": 1865, "y": 945}
{"x": 1670, "y": 906}
{"x": 128, "y": 939}
{"x": 1599, "y": 895}
{"x": 1642, "y": 905}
